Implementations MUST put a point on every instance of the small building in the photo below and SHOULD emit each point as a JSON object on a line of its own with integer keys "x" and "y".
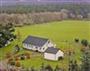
{"x": 53, "y": 54}
{"x": 37, "y": 43}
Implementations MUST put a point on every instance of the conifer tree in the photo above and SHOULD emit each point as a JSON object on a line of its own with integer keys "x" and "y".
{"x": 85, "y": 66}
{"x": 73, "y": 66}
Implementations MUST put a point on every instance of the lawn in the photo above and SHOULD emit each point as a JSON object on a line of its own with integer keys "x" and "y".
{"x": 61, "y": 33}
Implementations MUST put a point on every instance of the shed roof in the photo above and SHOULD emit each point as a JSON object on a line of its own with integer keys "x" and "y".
{"x": 36, "y": 41}
{"x": 52, "y": 50}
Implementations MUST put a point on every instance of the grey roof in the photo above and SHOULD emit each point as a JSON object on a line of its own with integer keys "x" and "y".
{"x": 52, "y": 50}
{"x": 36, "y": 41}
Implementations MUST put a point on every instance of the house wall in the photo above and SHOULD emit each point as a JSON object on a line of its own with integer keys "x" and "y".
{"x": 59, "y": 54}
{"x": 49, "y": 56}
{"x": 55, "y": 57}
{"x": 44, "y": 47}
{"x": 40, "y": 49}
{"x": 48, "y": 44}
{"x": 31, "y": 47}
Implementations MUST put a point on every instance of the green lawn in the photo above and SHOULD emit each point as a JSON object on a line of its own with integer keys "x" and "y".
{"x": 58, "y": 32}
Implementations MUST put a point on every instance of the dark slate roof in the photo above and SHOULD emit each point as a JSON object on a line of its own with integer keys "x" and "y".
{"x": 36, "y": 41}
{"x": 52, "y": 50}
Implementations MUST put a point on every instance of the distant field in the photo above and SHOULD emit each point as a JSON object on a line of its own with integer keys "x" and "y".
{"x": 59, "y": 33}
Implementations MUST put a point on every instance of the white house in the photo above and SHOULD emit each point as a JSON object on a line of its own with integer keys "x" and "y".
{"x": 53, "y": 54}
{"x": 37, "y": 43}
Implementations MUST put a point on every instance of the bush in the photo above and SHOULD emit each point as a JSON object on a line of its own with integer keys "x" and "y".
{"x": 27, "y": 55}
{"x": 76, "y": 40}
{"x": 8, "y": 55}
{"x": 84, "y": 42}
{"x": 10, "y": 60}
{"x": 17, "y": 64}
{"x": 48, "y": 68}
{"x": 12, "y": 63}
{"x": 22, "y": 57}
{"x": 17, "y": 58}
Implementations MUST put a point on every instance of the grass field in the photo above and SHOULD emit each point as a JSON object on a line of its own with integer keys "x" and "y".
{"x": 58, "y": 32}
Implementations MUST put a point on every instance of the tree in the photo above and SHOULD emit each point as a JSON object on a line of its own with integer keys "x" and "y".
{"x": 73, "y": 66}
{"x": 2, "y": 42}
{"x": 48, "y": 68}
{"x": 57, "y": 68}
{"x": 32, "y": 69}
{"x": 64, "y": 13}
{"x": 17, "y": 64}
{"x": 17, "y": 48}
{"x": 76, "y": 40}
{"x": 85, "y": 66}
{"x": 42, "y": 67}
{"x": 89, "y": 45}
{"x": 18, "y": 36}
{"x": 27, "y": 55}
{"x": 89, "y": 16}
{"x": 84, "y": 42}
{"x": 6, "y": 34}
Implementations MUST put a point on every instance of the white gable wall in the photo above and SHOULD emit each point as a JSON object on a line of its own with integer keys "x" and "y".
{"x": 59, "y": 54}
{"x": 44, "y": 47}
{"x": 47, "y": 44}
{"x": 50, "y": 44}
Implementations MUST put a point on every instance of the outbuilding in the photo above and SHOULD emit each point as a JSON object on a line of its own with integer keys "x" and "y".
{"x": 53, "y": 53}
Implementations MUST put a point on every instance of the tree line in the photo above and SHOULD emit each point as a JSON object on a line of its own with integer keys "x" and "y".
{"x": 34, "y": 14}
{"x": 31, "y": 18}
{"x": 76, "y": 8}
{"x": 36, "y": 18}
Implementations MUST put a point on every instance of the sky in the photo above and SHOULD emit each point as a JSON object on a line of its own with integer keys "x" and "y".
{"x": 2, "y": 2}
{"x": 46, "y": 0}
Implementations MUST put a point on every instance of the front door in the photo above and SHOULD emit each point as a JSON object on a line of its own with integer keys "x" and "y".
{"x": 60, "y": 58}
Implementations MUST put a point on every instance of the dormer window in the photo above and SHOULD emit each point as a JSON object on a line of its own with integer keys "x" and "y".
{"x": 48, "y": 41}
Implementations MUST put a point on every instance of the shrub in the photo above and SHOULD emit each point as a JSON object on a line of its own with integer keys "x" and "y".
{"x": 12, "y": 63}
{"x": 17, "y": 64}
{"x": 8, "y": 55}
{"x": 27, "y": 55}
{"x": 76, "y": 40}
{"x": 84, "y": 42}
{"x": 48, "y": 68}
{"x": 17, "y": 58}
{"x": 22, "y": 57}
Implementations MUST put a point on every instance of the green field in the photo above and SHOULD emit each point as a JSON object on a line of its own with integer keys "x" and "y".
{"x": 58, "y": 33}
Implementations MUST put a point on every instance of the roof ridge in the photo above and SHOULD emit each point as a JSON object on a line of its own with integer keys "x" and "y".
{"x": 37, "y": 37}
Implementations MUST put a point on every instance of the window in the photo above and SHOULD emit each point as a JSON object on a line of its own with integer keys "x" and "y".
{"x": 43, "y": 48}
{"x": 48, "y": 41}
{"x": 30, "y": 46}
{"x": 40, "y": 48}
